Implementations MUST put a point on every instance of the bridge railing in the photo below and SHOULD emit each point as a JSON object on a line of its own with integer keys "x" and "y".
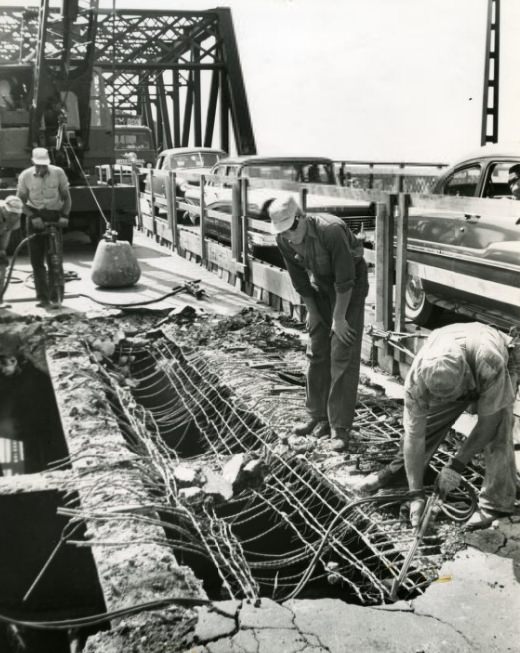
{"x": 390, "y": 176}
{"x": 243, "y": 232}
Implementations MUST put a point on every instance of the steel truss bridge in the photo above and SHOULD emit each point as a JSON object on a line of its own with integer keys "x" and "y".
{"x": 179, "y": 72}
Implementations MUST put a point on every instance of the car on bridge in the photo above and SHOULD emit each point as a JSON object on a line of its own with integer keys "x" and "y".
{"x": 188, "y": 163}
{"x": 466, "y": 257}
{"x": 359, "y": 215}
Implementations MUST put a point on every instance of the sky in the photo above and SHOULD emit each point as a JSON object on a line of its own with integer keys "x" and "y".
{"x": 394, "y": 80}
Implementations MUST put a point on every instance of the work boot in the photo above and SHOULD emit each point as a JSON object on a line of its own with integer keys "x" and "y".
{"x": 322, "y": 429}
{"x": 306, "y": 428}
{"x": 341, "y": 433}
{"x": 483, "y": 518}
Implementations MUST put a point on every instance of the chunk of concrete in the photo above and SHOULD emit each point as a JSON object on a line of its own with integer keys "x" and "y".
{"x": 217, "y": 486}
{"x": 185, "y": 475}
{"x": 233, "y": 467}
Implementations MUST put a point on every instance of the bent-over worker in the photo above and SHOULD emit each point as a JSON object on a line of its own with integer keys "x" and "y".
{"x": 10, "y": 214}
{"x": 44, "y": 190}
{"x": 325, "y": 262}
{"x": 459, "y": 365}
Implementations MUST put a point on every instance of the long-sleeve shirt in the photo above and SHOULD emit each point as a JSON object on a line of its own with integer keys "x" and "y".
{"x": 50, "y": 191}
{"x": 486, "y": 379}
{"x": 331, "y": 252}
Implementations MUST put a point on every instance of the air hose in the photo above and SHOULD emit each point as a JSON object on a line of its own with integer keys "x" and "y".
{"x": 92, "y": 620}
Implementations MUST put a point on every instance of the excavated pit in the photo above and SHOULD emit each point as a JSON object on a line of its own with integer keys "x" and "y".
{"x": 32, "y": 436}
{"x": 285, "y": 532}
{"x": 68, "y": 587}
{"x": 285, "y": 529}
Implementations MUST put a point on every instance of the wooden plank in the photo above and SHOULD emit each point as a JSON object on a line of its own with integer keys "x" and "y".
{"x": 202, "y": 223}
{"x": 275, "y": 279}
{"x": 401, "y": 260}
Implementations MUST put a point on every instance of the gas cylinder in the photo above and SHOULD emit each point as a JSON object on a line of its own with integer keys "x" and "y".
{"x": 115, "y": 264}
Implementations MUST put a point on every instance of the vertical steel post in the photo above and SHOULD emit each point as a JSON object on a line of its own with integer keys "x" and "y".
{"x": 489, "y": 132}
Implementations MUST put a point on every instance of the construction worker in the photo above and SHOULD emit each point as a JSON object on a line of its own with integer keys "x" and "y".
{"x": 44, "y": 190}
{"x": 325, "y": 262}
{"x": 10, "y": 214}
{"x": 459, "y": 365}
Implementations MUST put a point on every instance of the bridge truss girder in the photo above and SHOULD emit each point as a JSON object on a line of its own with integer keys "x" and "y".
{"x": 177, "y": 71}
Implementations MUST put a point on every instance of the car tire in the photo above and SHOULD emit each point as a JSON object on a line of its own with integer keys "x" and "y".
{"x": 418, "y": 309}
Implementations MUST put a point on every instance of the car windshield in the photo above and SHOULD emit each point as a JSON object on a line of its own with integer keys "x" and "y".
{"x": 194, "y": 160}
{"x": 308, "y": 172}
{"x": 133, "y": 141}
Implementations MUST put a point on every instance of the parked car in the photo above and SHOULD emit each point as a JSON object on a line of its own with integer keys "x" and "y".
{"x": 467, "y": 259}
{"x": 188, "y": 163}
{"x": 359, "y": 215}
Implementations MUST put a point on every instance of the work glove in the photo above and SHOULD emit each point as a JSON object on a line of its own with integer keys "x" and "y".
{"x": 416, "y": 510}
{"x": 38, "y": 224}
{"x": 63, "y": 221}
{"x": 447, "y": 481}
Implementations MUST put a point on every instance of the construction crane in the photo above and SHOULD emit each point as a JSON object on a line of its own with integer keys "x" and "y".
{"x": 177, "y": 72}
{"x": 54, "y": 97}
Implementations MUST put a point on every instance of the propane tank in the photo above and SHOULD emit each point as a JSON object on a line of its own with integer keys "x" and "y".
{"x": 115, "y": 264}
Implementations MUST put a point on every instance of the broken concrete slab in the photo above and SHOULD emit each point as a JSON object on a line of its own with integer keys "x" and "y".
{"x": 340, "y": 627}
{"x": 481, "y": 585}
{"x": 265, "y": 613}
{"x": 212, "y": 625}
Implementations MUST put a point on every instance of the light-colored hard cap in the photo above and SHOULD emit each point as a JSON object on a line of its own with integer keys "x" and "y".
{"x": 13, "y": 204}
{"x": 442, "y": 370}
{"x": 282, "y": 213}
{"x": 40, "y": 156}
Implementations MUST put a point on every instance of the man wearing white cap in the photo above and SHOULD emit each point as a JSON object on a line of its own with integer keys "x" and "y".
{"x": 459, "y": 365}
{"x": 325, "y": 262}
{"x": 10, "y": 214}
{"x": 44, "y": 190}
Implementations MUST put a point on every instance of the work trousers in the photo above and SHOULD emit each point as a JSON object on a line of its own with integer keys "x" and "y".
{"x": 333, "y": 367}
{"x": 499, "y": 488}
{"x": 40, "y": 258}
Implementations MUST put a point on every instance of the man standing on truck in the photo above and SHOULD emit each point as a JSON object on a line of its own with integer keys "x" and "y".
{"x": 459, "y": 365}
{"x": 326, "y": 265}
{"x": 44, "y": 191}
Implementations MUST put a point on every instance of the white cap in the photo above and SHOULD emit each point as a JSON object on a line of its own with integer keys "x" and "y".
{"x": 13, "y": 204}
{"x": 282, "y": 213}
{"x": 40, "y": 156}
{"x": 442, "y": 369}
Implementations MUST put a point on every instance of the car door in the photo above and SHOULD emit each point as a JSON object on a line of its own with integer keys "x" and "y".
{"x": 443, "y": 229}
{"x": 482, "y": 229}
{"x": 491, "y": 240}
